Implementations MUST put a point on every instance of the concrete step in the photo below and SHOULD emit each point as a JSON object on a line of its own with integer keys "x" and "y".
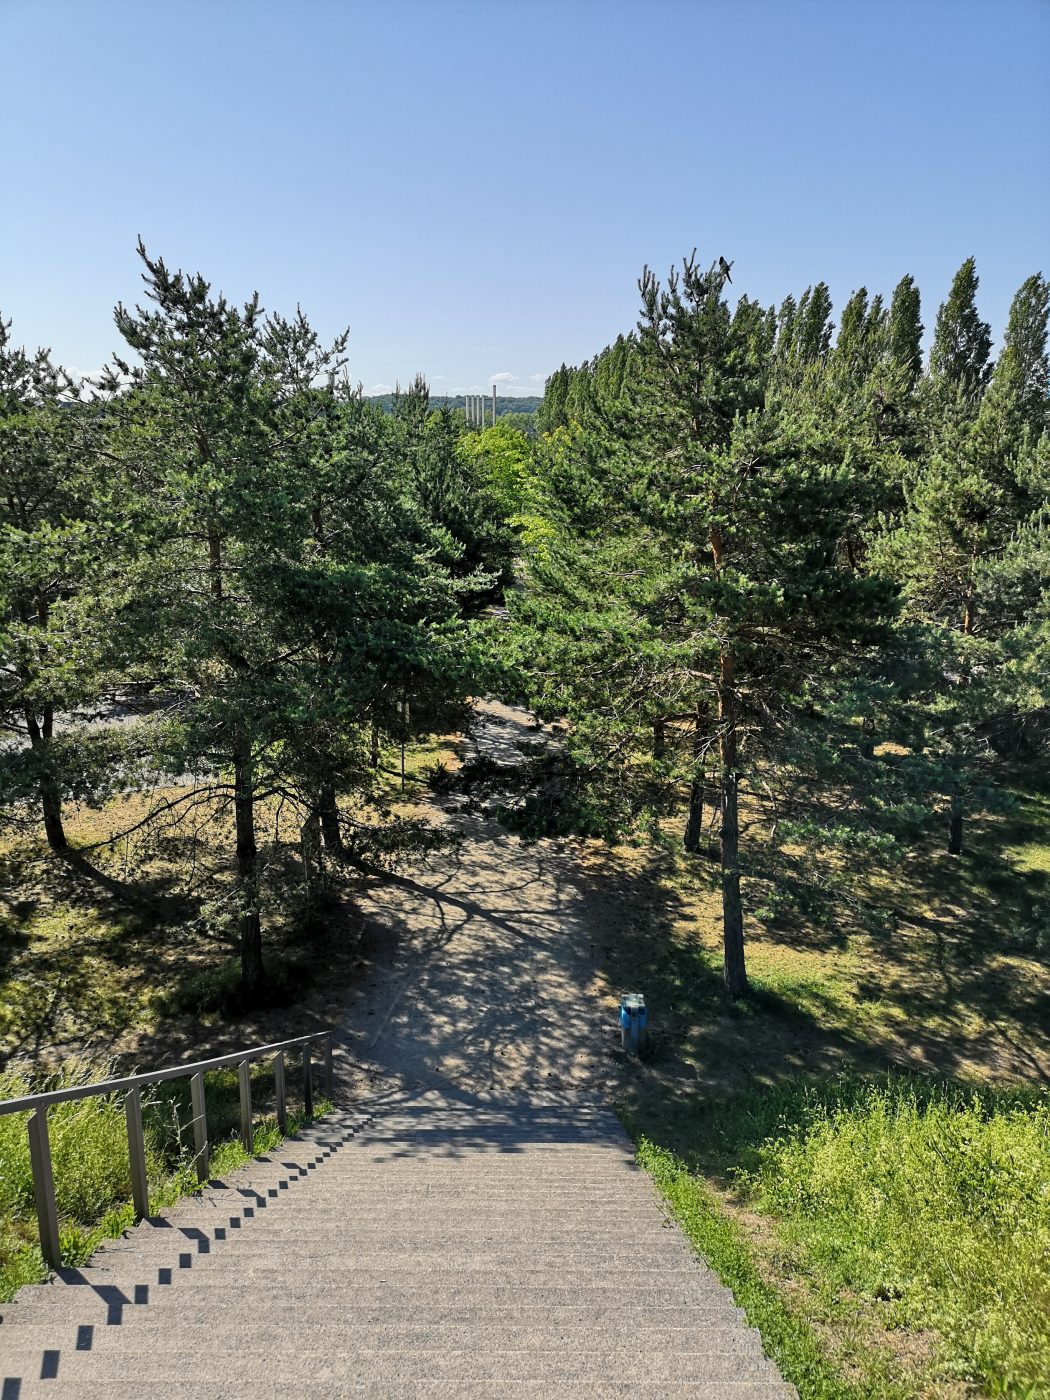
{"x": 225, "y": 1388}
{"x": 342, "y": 1271}
{"x": 252, "y": 1289}
{"x": 557, "y": 1368}
{"x": 316, "y": 1218}
{"x": 331, "y": 1336}
{"x": 341, "y": 1239}
{"x": 46, "y": 1329}
{"x": 476, "y": 1276}
{"x": 439, "y": 1250}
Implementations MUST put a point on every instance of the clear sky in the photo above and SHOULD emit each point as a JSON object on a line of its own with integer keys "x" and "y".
{"x": 474, "y": 187}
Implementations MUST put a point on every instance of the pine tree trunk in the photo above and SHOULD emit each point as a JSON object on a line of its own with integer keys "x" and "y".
{"x": 955, "y": 828}
{"x": 734, "y": 970}
{"x": 867, "y": 739}
{"x": 310, "y": 853}
{"x": 252, "y": 974}
{"x": 54, "y": 830}
{"x": 40, "y": 734}
{"x": 695, "y": 820}
{"x": 328, "y": 811}
{"x": 659, "y": 739}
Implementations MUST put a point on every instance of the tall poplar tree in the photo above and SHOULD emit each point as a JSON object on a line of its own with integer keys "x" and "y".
{"x": 962, "y": 344}
{"x": 968, "y": 504}
{"x": 904, "y": 331}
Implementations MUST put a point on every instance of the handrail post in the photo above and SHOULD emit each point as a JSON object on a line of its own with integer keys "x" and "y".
{"x": 244, "y": 1072}
{"x": 201, "y": 1149}
{"x": 44, "y": 1189}
{"x": 137, "y": 1153}
{"x": 279, "y": 1094}
{"x": 328, "y": 1066}
{"x": 308, "y": 1083}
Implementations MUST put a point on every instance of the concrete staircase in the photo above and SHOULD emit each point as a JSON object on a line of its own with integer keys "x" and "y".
{"x": 431, "y": 1247}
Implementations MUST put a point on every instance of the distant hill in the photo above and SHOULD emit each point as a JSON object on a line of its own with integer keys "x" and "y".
{"x": 526, "y": 404}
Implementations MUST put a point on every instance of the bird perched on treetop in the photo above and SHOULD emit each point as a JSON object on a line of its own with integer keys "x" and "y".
{"x": 724, "y": 268}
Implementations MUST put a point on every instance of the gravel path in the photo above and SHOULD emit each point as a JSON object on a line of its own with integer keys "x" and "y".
{"x": 488, "y": 986}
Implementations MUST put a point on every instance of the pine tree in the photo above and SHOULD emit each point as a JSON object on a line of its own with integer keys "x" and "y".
{"x": 695, "y": 585}
{"x": 61, "y": 557}
{"x": 309, "y": 590}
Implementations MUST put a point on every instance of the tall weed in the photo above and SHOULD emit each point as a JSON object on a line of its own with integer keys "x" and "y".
{"x": 88, "y": 1150}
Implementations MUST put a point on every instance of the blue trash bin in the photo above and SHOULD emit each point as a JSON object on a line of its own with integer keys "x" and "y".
{"x": 634, "y": 1021}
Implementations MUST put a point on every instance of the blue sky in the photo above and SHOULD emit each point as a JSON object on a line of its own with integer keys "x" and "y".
{"x": 474, "y": 187}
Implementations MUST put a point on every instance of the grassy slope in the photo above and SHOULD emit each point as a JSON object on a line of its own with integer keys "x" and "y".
{"x": 950, "y": 979}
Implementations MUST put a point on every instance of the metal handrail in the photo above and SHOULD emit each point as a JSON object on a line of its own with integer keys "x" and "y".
{"x": 40, "y": 1145}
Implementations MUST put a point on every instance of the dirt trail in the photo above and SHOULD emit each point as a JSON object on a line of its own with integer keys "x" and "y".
{"x": 488, "y": 982}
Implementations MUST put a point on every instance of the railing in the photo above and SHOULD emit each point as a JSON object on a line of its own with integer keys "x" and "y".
{"x": 40, "y": 1144}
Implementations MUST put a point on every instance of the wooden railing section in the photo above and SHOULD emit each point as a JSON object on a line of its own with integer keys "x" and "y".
{"x": 37, "y": 1105}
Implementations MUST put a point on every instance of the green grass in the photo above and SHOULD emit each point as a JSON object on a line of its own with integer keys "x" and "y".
{"x": 218, "y": 990}
{"x": 90, "y": 1160}
{"x": 896, "y": 1207}
{"x": 937, "y": 1205}
{"x": 788, "y": 1338}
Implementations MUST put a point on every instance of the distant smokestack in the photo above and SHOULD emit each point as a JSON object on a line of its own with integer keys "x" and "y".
{"x": 493, "y": 405}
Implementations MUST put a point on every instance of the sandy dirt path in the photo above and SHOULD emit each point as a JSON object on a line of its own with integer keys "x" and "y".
{"x": 484, "y": 978}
